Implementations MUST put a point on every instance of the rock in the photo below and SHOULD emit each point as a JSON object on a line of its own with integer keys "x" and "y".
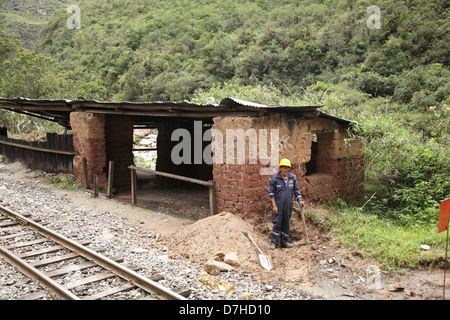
{"x": 396, "y": 287}
{"x": 225, "y": 286}
{"x": 232, "y": 259}
{"x": 414, "y": 296}
{"x": 214, "y": 267}
{"x": 268, "y": 287}
{"x": 219, "y": 256}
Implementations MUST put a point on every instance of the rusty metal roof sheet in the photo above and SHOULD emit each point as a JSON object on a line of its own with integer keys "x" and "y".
{"x": 59, "y": 109}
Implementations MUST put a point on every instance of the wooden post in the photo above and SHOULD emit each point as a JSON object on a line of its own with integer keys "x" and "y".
{"x": 212, "y": 199}
{"x": 85, "y": 171}
{"x": 110, "y": 179}
{"x": 133, "y": 187}
{"x": 96, "y": 186}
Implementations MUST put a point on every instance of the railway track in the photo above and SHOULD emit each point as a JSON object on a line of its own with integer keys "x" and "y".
{"x": 33, "y": 248}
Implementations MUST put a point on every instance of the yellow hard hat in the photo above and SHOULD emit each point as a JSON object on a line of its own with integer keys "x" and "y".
{"x": 285, "y": 163}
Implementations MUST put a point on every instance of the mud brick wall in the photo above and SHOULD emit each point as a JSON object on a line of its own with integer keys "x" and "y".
{"x": 89, "y": 141}
{"x": 242, "y": 189}
{"x": 102, "y": 138}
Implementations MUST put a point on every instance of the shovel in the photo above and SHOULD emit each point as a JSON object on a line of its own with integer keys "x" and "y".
{"x": 266, "y": 262}
{"x": 305, "y": 230}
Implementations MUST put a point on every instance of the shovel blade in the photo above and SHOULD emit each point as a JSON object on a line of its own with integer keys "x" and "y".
{"x": 266, "y": 262}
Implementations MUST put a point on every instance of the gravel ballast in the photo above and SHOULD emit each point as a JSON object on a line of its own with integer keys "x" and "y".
{"x": 24, "y": 191}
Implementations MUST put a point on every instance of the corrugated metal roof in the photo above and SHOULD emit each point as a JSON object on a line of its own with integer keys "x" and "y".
{"x": 59, "y": 109}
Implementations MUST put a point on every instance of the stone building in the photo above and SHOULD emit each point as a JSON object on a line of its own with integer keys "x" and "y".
{"x": 237, "y": 144}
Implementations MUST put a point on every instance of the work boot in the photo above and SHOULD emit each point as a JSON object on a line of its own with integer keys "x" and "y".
{"x": 287, "y": 245}
{"x": 273, "y": 246}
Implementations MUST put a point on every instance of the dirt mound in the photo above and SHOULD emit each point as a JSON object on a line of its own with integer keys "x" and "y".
{"x": 202, "y": 240}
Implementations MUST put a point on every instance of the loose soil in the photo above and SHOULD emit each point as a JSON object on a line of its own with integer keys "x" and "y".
{"x": 324, "y": 268}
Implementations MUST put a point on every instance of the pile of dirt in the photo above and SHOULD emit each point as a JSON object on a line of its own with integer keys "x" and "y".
{"x": 202, "y": 240}
{"x": 206, "y": 237}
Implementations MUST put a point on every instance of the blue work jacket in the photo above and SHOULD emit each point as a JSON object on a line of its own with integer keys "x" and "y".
{"x": 282, "y": 191}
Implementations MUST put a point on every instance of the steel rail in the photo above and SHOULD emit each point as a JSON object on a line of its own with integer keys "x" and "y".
{"x": 128, "y": 274}
{"x": 34, "y": 273}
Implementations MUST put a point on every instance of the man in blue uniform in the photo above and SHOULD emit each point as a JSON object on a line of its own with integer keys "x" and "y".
{"x": 283, "y": 186}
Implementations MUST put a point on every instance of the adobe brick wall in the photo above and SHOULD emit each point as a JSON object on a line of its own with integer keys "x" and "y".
{"x": 102, "y": 138}
{"x": 89, "y": 141}
{"x": 242, "y": 190}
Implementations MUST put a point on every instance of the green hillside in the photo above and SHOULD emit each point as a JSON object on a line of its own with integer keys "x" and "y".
{"x": 28, "y": 17}
{"x": 152, "y": 50}
{"x": 168, "y": 50}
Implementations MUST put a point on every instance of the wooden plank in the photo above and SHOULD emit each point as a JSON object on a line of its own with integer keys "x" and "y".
{"x": 96, "y": 186}
{"x": 144, "y": 149}
{"x": 110, "y": 179}
{"x": 76, "y": 267}
{"x": 133, "y": 187}
{"x": 94, "y": 278}
{"x": 212, "y": 199}
{"x": 8, "y": 223}
{"x": 9, "y": 236}
{"x": 33, "y": 296}
{"x": 28, "y": 243}
{"x": 111, "y": 291}
{"x": 173, "y": 176}
{"x": 44, "y": 262}
{"x": 22, "y": 146}
{"x": 39, "y": 252}
{"x": 72, "y": 268}
{"x": 46, "y": 250}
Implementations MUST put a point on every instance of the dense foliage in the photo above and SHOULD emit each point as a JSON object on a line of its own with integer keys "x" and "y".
{"x": 394, "y": 81}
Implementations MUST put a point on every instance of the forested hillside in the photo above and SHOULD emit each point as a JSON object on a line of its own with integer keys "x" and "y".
{"x": 27, "y": 17}
{"x": 393, "y": 78}
{"x": 151, "y": 50}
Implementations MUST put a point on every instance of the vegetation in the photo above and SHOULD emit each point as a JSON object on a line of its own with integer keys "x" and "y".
{"x": 393, "y": 81}
{"x": 391, "y": 246}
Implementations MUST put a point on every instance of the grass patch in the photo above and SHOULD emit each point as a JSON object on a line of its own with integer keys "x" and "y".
{"x": 393, "y": 247}
{"x": 65, "y": 181}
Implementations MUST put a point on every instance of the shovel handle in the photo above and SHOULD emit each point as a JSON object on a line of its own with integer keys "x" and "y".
{"x": 248, "y": 236}
{"x": 304, "y": 223}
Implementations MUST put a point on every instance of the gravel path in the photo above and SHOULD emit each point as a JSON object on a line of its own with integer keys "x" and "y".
{"x": 25, "y": 192}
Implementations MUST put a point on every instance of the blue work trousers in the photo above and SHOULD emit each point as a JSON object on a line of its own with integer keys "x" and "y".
{"x": 281, "y": 222}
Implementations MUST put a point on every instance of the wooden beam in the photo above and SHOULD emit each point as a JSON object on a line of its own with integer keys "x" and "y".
{"x": 133, "y": 186}
{"x": 96, "y": 186}
{"x": 173, "y": 176}
{"x": 170, "y": 114}
{"x": 18, "y": 145}
{"x": 212, "y": 199}
{"x": 110, "y": 179}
